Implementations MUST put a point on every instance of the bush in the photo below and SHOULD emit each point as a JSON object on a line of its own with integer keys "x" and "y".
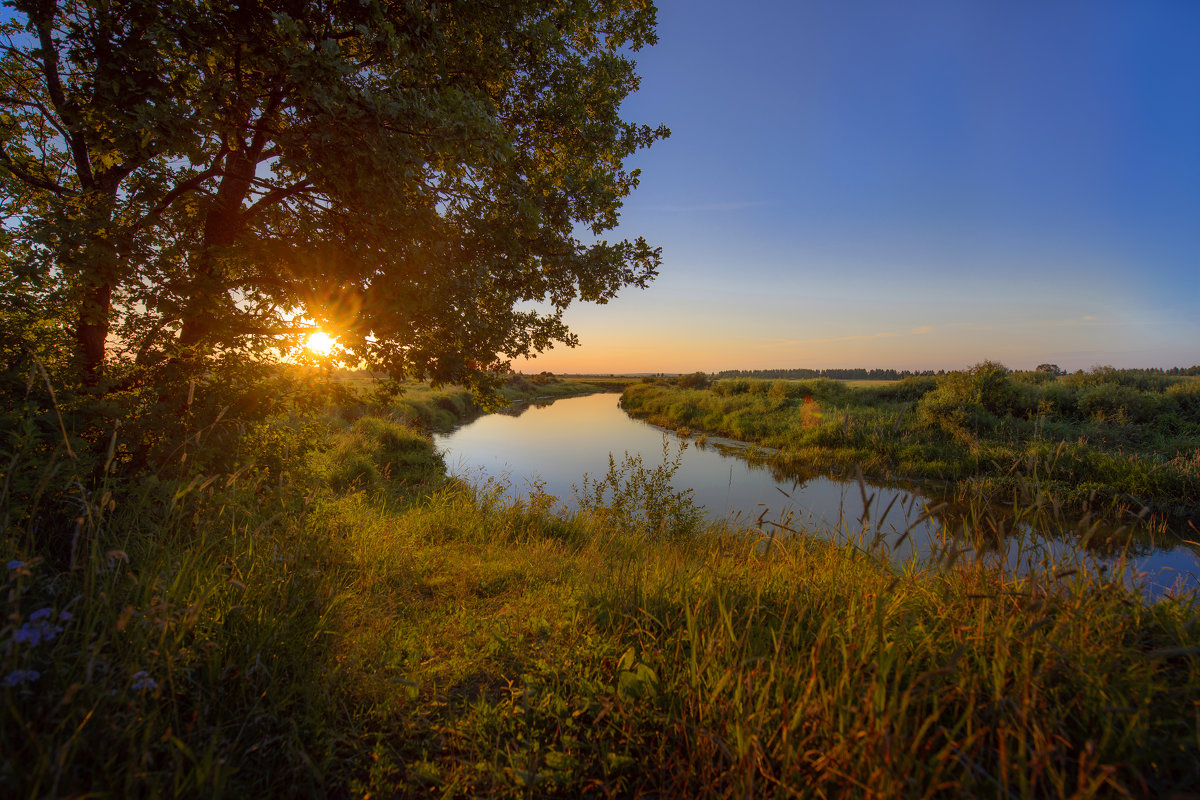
{"x": 1186, "y": 395}
{"x": 976, "y": 398}
{"x": 696, "y": 380}
{"x": 1038, "y": 377}
{"x": 1144, "y": 380}
{"x": 908, "y": 389}
{"x": 990, "y": 387}
{"x": 783, "y": 392}
{"x": 519, "y": 383}
{"x": 1110, "y": 402}
{"x": 1061, "y": 399}
{"x": 728, "y": 387}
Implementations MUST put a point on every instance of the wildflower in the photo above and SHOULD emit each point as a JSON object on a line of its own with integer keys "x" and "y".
{"x": 39, "y": 628}
{"x": 21, "y": 676}
{"x": 16, "y": 564}
{"x": 143, "y": 682}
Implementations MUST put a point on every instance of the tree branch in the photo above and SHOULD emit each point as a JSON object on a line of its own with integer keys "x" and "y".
{"x": 193, "y": 183}
{"x": 30, "y": 178}
{"x": 275, "y": 197}
{"x": 49, "y": 67}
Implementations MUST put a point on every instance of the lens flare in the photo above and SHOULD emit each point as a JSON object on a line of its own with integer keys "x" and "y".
{"x": 321, "y": 343}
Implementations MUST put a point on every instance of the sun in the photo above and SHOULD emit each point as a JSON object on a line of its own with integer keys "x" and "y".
{"x": 320, "y": 343}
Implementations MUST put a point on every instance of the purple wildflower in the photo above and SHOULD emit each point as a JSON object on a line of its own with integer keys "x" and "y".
{"x": 38, "y": 629}
{"x": 143, "y": 682}
{"x": 21, "y": 676}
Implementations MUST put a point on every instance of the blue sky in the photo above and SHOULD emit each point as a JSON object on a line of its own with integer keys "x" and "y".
{"x": 914, "y": 185}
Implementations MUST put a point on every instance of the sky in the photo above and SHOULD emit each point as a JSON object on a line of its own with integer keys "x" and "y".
{"x": 911, "y": 185}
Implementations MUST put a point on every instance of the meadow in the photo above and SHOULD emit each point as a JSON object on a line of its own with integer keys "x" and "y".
{"x": 1107, "y": 441}
{"x": 302, "y": 604}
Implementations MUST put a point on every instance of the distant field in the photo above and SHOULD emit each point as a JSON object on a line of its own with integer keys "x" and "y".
{"x": 866, "y": 383}
{"x": 611, "y": 383}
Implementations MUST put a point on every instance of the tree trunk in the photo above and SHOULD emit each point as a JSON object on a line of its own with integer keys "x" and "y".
{"x": 91, "y": 331}
{"x": 222, "y": 225}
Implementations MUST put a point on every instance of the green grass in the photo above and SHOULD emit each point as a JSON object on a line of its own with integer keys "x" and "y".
{"x": 1086, "y": 439}
{"x": 305, "y": 628}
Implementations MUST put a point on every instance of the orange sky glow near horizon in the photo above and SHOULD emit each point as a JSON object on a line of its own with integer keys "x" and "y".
{"x": 924, "y": 185}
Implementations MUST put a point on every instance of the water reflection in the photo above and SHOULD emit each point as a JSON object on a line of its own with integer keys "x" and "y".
{"x": 553, "y": 445}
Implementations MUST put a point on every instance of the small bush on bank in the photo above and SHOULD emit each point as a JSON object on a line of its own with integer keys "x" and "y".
{"x": 696, "y": 380}
{"x": 727, "y": 387}
{"x": 1122, "y": 404}
{"x": 910, "y": 389}
{"x": 1139, "y": 379}
{"x": 1186, "y": 395}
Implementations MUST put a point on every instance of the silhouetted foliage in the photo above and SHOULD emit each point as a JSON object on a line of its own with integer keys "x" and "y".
{"x": 185, "y": 181}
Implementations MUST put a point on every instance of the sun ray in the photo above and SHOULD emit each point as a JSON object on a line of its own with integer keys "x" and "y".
{"x": 321, "y": 343}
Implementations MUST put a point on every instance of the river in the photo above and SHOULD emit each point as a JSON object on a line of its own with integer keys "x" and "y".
{"x": 550, "y": 448}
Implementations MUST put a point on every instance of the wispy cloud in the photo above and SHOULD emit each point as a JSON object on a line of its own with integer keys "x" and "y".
{"x": 702, "y": 207}
{"x": 922, "y": 329}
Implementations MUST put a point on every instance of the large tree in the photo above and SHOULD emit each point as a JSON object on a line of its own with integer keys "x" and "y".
{"x": 429, "y": 180}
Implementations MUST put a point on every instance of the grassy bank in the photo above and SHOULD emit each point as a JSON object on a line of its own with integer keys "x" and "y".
{"x": 441, "y": 408}
{"x": 1107, "y": 438}
{"x": 334, "y": 618}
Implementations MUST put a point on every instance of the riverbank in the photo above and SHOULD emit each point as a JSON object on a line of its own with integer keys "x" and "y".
{"x": 443, "y": 408}
{"x": 1106, "y": 441}
{"x": 334, "y": 616}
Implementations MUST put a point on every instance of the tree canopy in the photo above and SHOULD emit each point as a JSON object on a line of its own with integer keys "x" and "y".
{"x": 429, "y": 181}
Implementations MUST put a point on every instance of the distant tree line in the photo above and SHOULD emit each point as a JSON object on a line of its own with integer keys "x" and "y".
{"x": 860, "y": 374}
{"x": 857, "y": 374}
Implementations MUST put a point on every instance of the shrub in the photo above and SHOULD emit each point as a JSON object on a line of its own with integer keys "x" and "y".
{"x": 727, "y": 387}
{"x": 519, "y": 383}
{"x": 990, "y": 386}
{"x": 633, "y": 498}
{"x": 783, "y": 392}
{"x": 976, "y": 398}
{"x": 1186, "y": 395}
{"x": 696, "y": 380}
{"x": 1061, "y": 399}
{"x": 1145, "y": 380}
{"x": 1037, "y": 377}
{"x": 1111, "y": 402}
{"x": 684, "y": 412}
{"x": 908, "y": 389}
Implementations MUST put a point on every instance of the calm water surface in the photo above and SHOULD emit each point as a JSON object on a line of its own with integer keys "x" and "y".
{"x": 554, "y": 446}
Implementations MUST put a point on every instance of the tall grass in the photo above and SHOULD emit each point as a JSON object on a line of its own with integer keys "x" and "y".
{"x": 276, "y": 629}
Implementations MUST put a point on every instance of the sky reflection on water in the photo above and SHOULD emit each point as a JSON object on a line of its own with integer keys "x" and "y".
{"x": 557, "y": 444}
